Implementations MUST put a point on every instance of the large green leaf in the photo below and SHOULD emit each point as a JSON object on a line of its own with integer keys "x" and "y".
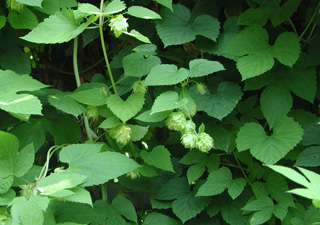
{"x": 155, "y": 218}
{"x": 80, "y": 195}
{"x": 220, "y": 104}
{"x": 10, "y": 101}
{"x": 166, "y": 74}
{"x": 26, "y": 19}
{"x": 220, "y": 180}
{"x": 168, "y": 100}
{"x": 309, "y": 157}
{"x": 159, "y": 157}
{"x": 31, "y": 213}
{"x": 256, "y": 55}
{"x": 270, "y": 149}
{"x": 12, "y": 162}
{"x": 99, "y": 167}
{"x": 94, "y": 96}
{"x": 176, "y": 28}
{"x": 203, "y": 67}
{"x": 137, "y": 65}
{"x": 142, "y": 12}
{"x": 127, "y": 109}
{"x": 58, "y": 28}
{"x": 262, "y": 207}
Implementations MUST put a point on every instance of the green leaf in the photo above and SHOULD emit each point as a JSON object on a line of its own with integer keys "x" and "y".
{"x": 10, "y": 101}
{"x": 309, "y": 157}
{"x": 269, "y": 149}
{"x": 159, "y": 157}
{"x": 165, "y": 3}
{"x": 138, "y": 132}
{"x": 137, "y": 35}
{"x": 92, "y": 97}
{"x": 155, "y": 218}
{"x": 52, "y": 6}
{"x": 127, "y": 109}
{"x": 13, "y": 58}
{"x": 168, "y": 100}
{"x": 153, "y": 118}
{"x": 5, "y": 184}
{"x": 57, "y": 182}
{"x": 80, "y": 195}
{"x": 66, "y": 104}
{"x": 218, "y": 105}
{"x": 203, "y": 67}
{"x": 26, "y": 19}
{"x": 142, "y": 12}
{"x": 125, "y": 207}
{"x": 136, "y": 65}
{"x": 99, "y": 167}
{"x": 13, "y": 162}
{"x": 256, "y": 55}
{"x": 114, "y": 7}
{"x": 7, "y": 197}
{"x": 188, "y": 206}
{"x": 263, "y": 208}
{"x": 146, "y": 49}
{"x": 166, "y": 74}
{"x": 176, "y": 28}
{"x": 31, "y": 213}
{"x": 88, "y": 8}
{"x": 195, "y": 171}
{"x": 31, "y": 2}
{"x": 236, "y": 187}
{"x": 111, "y": 122}
{"x": 173, "y": 189}
{"x": 58, "y": 28}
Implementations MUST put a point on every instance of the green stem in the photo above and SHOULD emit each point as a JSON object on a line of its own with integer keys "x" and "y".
{"x": 310, "y": 21}
{"x": 77, "y": 76}
{"x": 293, "y": 27}
{"x": 104, "y": 192}
{"x": 104, "y": 49}
{"x": 244, "y": 174}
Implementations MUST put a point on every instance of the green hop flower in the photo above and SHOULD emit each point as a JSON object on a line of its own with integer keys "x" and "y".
{"x": 204, "y": 142}
{"x": 92, "y": 113}
{"x": 122, "y": 134}
{"x": 201, "y": 88}
{"x": 138, "y": 87}
{"x": 188, "y": 140}
{"x": 133, "y": 174}
{"x": 118, "y": 25}
{"x": 13, "y": 5}
{"x": 176, "y": 121}
{"x": 189, "y": 127}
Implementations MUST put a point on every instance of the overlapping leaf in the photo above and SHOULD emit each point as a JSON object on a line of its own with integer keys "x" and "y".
{"x": 168, "y": 100}
{"x": 203, "y": 67}
{"x": 159, "y": 157}
{"x": 142, "y": 12}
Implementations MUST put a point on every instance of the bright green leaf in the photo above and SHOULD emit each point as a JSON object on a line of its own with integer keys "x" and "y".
{"x": 159, "y": 157}
{"x": 88, "y": 8}
{"x": 203, "y": 67}
{"x": 92, "y": 97}
{"x": 31, "y": 213}
{"x": 127, "y": 109}
{"x": 7, "y": 197}
{"x": 114, "y": 7}
{"x": 31, "y": 2}
{"x": 80, "y": 195}
{"x": 141, "y": 12}
{"x": 26, "y": 19}
{"x": 136, "y": 65}
{"x": 110, "y": 122}
{"x": 137, "y": 35}
{"x": 166, "y": 74}
{"x": 269, "y": 149}
{"x": 168, "y": 100}
{"x": 5, "y": 184}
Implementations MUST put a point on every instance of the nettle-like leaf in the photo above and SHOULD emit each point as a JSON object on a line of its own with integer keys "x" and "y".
{"x": 276, "y": 100}
{"x": 137, "y": 65}
{"x": 85, "y": 159}
{"x": 142, "y": 12}
{"x": 269, "y": 149}
{"x": 257, "y": 56}
{"x": 58, "y": 28}
{"x": 175, "y": 27}
{"x": 13, "y": 162}
{"x": 220, "y": 180}
{"x": 127, "y": 109}
{"x": 203, "y": 67}
{"x": 269, "y": 10}
{"x": 12, "y": 83}
{"x": 159, "y": 157}
{"x": 166, "y": 74}
{"x": 168, "y": 100}
{"x": 220, "y": 104}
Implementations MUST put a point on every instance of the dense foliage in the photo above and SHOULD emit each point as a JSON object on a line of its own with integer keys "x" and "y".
{"x": 159, "y": 112}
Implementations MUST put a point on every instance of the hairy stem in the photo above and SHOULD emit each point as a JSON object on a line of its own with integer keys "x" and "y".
{"x": 104, "y": 49}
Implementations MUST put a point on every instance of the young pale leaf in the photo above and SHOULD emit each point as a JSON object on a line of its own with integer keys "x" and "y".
{"x": 80, "y": 195}
{"x": 92, "y": 97}
{"x": 136, "y": 65}
{"x": 98, "y": 167}
{"x": 114, "y": 7}
{"x": 175, "y": 27}
{"x": 270, "y": 149}
{"x": 188, "y": 206}
{"x": 159, "y": 157}
{"x": 155, "y": 218}
{"x": 166, "y": 74}
{"x": 58, "y": 28}
{"x": 127, "y": 109}
{"x": 218, "y": 105}
{"x": 203, "y": 67}
{"x": 66, "y": 104}
{"x": 26, "y": 19}
{"x": 142, "y": 12}
{"x": 31, "y": 2}
{"x": 138, "y": 36}
{"x": 168, "y": 100}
